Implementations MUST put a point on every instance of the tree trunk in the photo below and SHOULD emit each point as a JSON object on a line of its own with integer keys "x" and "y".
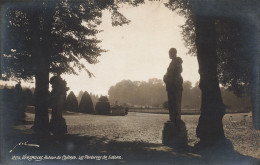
{"x": 41, "y": 120}
{"x": 42, "y": 54}
{"x": 251, "y": 38}
{"x": 210, "y": 126}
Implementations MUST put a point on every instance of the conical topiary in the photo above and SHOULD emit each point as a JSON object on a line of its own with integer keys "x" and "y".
{"x": 86, "y": 104}
{"x": 72, "y": 102}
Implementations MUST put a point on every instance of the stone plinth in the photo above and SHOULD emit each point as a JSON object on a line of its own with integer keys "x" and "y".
{"x": 174, "y": 135}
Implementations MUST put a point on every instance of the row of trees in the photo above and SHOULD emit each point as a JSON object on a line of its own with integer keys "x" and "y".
{"x": 141, "y": 93}
{"x": 43, "y": 37}
{"x": 84, "y": 102}
{"x": 153, "y": 94}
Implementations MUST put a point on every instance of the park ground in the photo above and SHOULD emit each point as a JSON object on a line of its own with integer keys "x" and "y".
{"x": 132, "y": 139}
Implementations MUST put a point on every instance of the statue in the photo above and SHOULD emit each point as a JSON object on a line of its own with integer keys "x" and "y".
{"x": 173, "y": 81}
{"x": 174, "y": 132}
{"x": 57, "y": 100}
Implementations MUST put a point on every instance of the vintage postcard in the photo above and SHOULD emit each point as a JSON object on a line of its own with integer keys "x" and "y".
{"x": 130, "y": 82}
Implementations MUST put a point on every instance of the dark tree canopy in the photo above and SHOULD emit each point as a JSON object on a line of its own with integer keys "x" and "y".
{"x": 43, "y": 37}
{"x": 234, "y": 58}
{"x": 64, "y": 30}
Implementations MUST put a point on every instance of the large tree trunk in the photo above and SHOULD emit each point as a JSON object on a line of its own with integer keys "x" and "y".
{"x": 41, "y": 121}
{"x": 252, "y": 40}
{"x": 42, "y": 54}
{"x": 210, "y": 126}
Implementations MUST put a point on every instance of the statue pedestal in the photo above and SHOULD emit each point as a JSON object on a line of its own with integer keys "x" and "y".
{"x": 58, "y": 126}
{"x": 174, "y": 135}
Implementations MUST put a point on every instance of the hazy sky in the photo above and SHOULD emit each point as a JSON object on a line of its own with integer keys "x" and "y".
{"x": 137, "y": 51}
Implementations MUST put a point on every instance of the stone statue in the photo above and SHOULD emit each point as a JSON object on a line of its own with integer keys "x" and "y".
{"x": 174, "y": 132}
{"x": 57, "y": 100}
{"x": 173, "y": 81}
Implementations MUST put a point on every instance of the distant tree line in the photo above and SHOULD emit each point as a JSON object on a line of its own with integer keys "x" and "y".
{"x": 146, "y": 94}
{"x": 152, "y": 93}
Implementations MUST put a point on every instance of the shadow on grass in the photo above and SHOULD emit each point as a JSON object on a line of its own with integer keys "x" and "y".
{"x": 89, "y": 148}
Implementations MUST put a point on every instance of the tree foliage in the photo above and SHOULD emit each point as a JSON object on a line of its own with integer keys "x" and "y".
{"x": 63, "y": 29}
{"x": 43, "y": 37}
{"x": 234, "y": 58}
{"x": 144, "y": 93}
{"x": 153, "y": 93}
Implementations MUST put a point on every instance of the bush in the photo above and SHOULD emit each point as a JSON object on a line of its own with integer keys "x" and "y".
{"x": 86, "y": 104}
{"x": 72, "y": 102}
{"x": 103, "y": 106}
{"x": 28, "y": 97}
{"x": 119, "y": 110}
{"x": 12, "y": 106}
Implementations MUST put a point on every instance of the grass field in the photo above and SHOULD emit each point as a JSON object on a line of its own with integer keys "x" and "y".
{"x": 165, "y": 111}
{"x": 138, "y": 138}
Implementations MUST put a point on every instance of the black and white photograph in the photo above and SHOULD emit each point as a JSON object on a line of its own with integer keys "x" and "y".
{"x": 130, "y": 82}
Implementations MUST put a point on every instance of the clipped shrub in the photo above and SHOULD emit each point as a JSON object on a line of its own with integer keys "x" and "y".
{"x": 28, "y": 97}
{"x": 86, "y": 104}
{"x": 72, "y": 103}
{"x": 102, "y": 106}
{"x": 119, "y": 111}
{"x": 12, "y": 105}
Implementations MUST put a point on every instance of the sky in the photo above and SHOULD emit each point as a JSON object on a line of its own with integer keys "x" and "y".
{"x": 137, "y": 51}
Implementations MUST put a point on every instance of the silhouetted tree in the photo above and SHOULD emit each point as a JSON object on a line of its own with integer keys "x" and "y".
{"x": 72, "y": 102}
{"x": 86, "y": 104}
{"x": 42, "y": 37}
{"x": 210, "y": 35}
